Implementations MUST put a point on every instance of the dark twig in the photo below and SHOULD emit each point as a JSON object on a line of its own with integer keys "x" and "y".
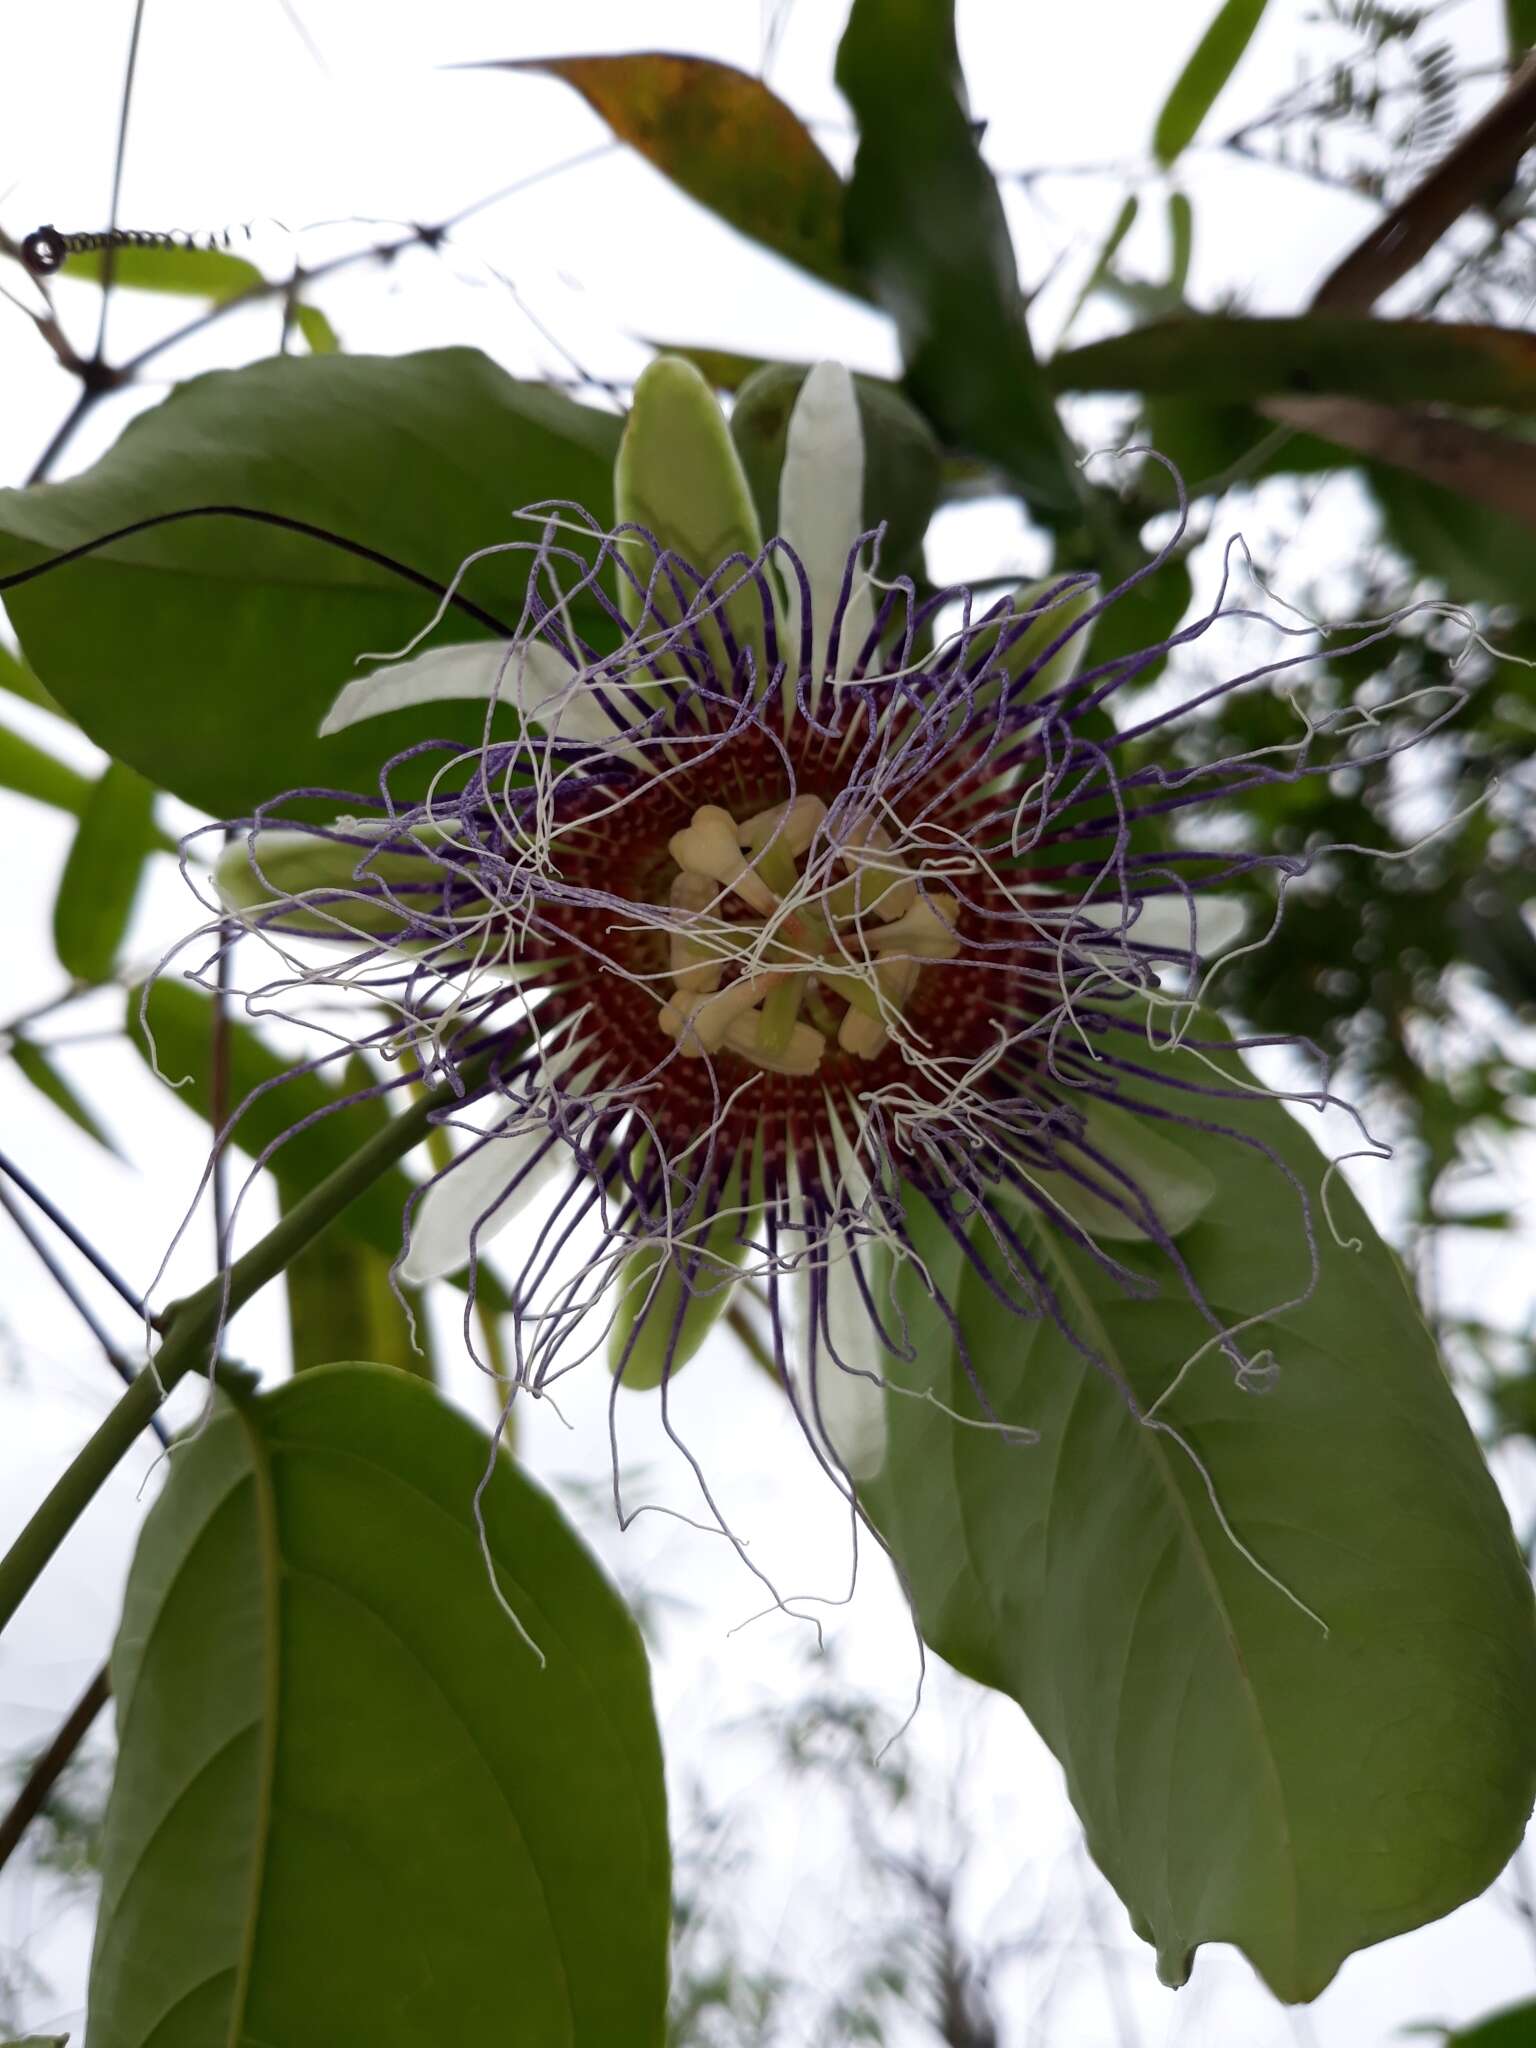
{"x": 77, "y": 1238}
{"x": 64, "y": 432}
{"x": 51, "y": 1765}
{"x": 47, "y": 1007}
{"x": 1468, "y": 175}
{"x": 98, "y": 378}
{"x": 109, "y": 253}
{"x": 77, "y": 1302}
{"x": 218, "y": 1085}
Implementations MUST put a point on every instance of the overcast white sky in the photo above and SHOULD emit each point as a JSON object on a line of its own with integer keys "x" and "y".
{"x": 238, "y": 117}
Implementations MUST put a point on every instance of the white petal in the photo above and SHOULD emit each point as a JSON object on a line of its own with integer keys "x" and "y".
{"x": 821, "y": 511}
{"x": 849, "y": 1408}
{"x": 528, "y": 675}
{"x": 449, "y": 1210}
{"x": 1166, "y": 920}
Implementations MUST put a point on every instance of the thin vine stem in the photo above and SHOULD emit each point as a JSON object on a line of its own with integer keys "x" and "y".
{"x": 119, "y": 163}
{"x": 73, "y": 1296}
{"x": 82, "y": 1244}
{"x": 51, "y": 1765}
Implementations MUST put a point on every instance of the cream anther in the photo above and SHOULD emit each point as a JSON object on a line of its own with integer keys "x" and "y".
{"x": 858, "y": 944}
{"x": 927, "y": 930}
{"x": 882, "y": 884}
{"x": 711, "y": 846}
{"x": 802, "y": 1055}
{"x": 696, "y": 968}
{"x": 700, "y": 1022}
{"x": 791, "y": 825}
{"x": 865, "y": 1036}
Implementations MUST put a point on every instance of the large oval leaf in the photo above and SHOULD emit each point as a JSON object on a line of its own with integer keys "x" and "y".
{"x": 350, "y": 1804}
{"x": 926, "y": 225}
{"x": 205, "y": 653}
{"x": 1222, "y": 357}
{"x": 726, "y": 140}
{"x": 1242, "y": 1776}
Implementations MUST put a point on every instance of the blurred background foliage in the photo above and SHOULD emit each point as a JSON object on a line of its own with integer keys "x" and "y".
{"x": 1412, "y": 374}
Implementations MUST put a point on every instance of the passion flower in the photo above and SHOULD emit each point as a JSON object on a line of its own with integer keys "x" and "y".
{"x": 806, "y": 899}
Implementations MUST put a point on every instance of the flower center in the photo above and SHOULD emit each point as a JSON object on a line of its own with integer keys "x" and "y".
{"x": 783, "y": 939}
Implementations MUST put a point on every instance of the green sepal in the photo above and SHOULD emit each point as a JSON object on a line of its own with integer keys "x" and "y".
{"x": 1177, "y": 1185}
{"x": 1053, "y": 620}
{"x": 640, "y": 1346}
{"x": 902, "y": 459}
{"x": 678, "y": 475}
{"x": 298, "y": 865}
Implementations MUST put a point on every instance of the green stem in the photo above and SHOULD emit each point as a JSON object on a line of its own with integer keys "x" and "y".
{"x": 192, "y": 1328}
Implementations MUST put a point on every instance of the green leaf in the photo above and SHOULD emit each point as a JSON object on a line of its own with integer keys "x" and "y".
{"x": 350, "y": 1804}
{"x": 1218, "y": 357}
{"x": 206, "y": 653}
{"x": 724, "y": 139}
{"x": 194, "y": 273}
{"x": 1479, "y": 555}
{"x": 926, "y": 226}
{"x": 1217, "y": 55}
{"x": 17, "y": 680}
{"x": 1514, "y": 1402}
{"x": 1214, "y": 446}
{"x": 1520, "y": 26}
{"x": 1241, "y": 1776}
{"x": 1181, "y": 241}
{"x": 34, "y": 1065}
{"x": 1104, "y": 264}
{"x": 102, "y": 873}
{"x": 316, "y": 330}
{"x": 1513, "y": 2028}
{"x": 32, "y": 771}
{"x": 901, "y": 458}
{"x": 678, "y": 476}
